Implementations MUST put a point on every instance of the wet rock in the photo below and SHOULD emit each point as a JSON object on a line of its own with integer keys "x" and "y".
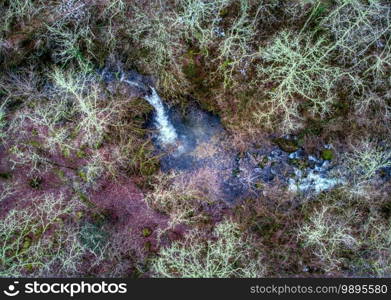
{"x": 128, "y": 84}
{"x": 267, "y": 174}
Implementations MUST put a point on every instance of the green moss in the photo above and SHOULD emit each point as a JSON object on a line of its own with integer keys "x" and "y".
{"x": 235, "y": 172}
{"x": 60, "y": 174}
{"x": 82, "y": 175}
{"x": 299, "y": 163}
{"x": 193, "y": 72}
{"x": 224, "y": 12}
{"x": 84, "y": 198}
{"x": 263, "y": 162}
{"x": 35, "y": 144}
{"x": 259, "y": 185}
{"x": 313, "y": 127}
{"x": 265, "y": 226}
{"x": 81, "y": 154}
{"x": 327, "y": 154}
{"x": 386, "y": 209}
{"x": 79, "y": 215}
{"x": 35, "y": 182}
{"x": 26, "y": 243}
{"x": 66, "y": 152}
{"x": 146, "y": 231}
{"x": 5, "y": 175}
{"x": 148, "y": 246}
{"x": 192, "y": 67}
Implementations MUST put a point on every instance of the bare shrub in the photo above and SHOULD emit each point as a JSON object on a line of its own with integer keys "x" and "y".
{"x": 38, "y": 239}
{"x": 328, "y": 233}
{"x": 228, "y": 254}
{"x": 295, "y": 65}
{"x": 180, "y": 202}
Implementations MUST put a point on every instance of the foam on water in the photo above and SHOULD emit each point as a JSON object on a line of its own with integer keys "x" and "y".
{"x": 317, "y": 179}
{"x": 167, "y": 133}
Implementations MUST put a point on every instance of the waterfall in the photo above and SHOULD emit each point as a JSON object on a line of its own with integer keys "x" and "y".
{"x": 167, "y": 133}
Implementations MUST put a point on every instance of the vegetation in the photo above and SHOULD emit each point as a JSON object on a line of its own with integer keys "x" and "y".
{"x": 227, "y": 255}
{"x": 81, "y": 188}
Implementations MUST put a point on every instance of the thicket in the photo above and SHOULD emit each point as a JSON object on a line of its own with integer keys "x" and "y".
{"x": 317, "y": 69}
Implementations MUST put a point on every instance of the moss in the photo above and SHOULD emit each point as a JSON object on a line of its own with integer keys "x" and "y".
{"x": 299, "y": 163}
{"x": 66, "y": 152}
{"x": 82, "y": 175}
{"x": 327, "y": 154}
{"x": 341, "y": 108}
{"x": 265, "y": 226}
{"x": 287, "y": 145}
{"x": 26, "y": 243}
{"x": 35, "y": 144}
{"x": 235, "y": 172}
{"x": 148, "y": 246}
{"x": 313, "y": 127}
{"x": 146, "y": 231}
{"x": 5, "y": 175}
{"x": 193, "y": 72}
{"x": 192, "y": 67}
{"x": 224, "y": 12}
{"x": 60, "y": 174}
{"x": 35, "y": 182}
{"x": 259, "y": 185}
{"x": 263, "y": 162}
{"x": 84, "y": 198}
{"x": 386, "y": 209}
{"x": 79, "y": 215}
{"x": 81, "y": 154}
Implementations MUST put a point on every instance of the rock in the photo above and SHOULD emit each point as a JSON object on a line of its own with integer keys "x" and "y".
{"x": 128, "y": 84}
{"x": 287, "y": 145}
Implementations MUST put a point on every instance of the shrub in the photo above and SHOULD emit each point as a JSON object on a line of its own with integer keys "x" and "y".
{"x": 235, "y": 49}
{"x": 199, "y": 20}
{"x": 296, "y": 66}
{"x": 2, "y": 123}
{"x": 37, "y": 240}
{"x": 357, "y": 27}
{"x": 365, "y": 160}
{"x": 17, "y": 11}
{"x": 229, "y": 254}
{"x": 158, "y": 37}
{"x": 83, "y": 92}
{"x": 328, "y": 232}
{"x": 172, "y": 196}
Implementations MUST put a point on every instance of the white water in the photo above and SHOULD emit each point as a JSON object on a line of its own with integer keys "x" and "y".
{"x": 167, "y": 133}
{"x": 316, "y": 179}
